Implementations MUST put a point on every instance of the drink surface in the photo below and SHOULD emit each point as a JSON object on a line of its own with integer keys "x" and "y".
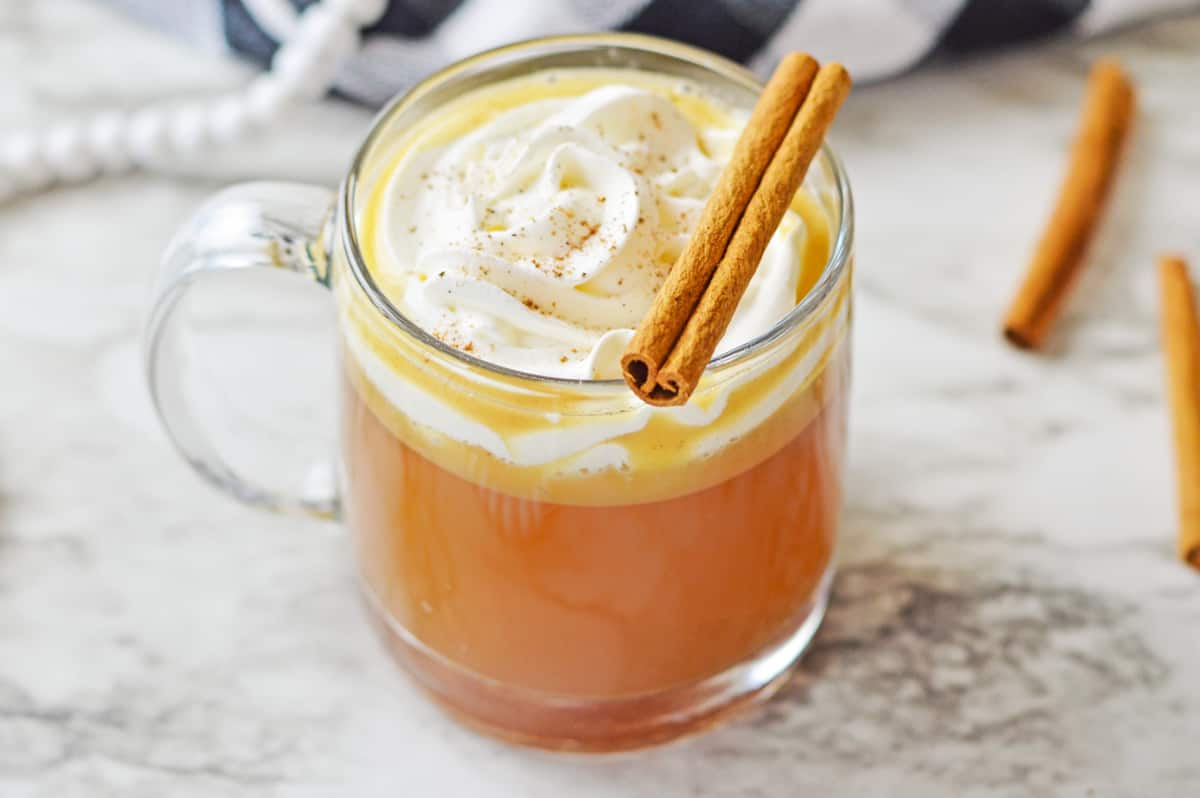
{"x": 529, "y": 224}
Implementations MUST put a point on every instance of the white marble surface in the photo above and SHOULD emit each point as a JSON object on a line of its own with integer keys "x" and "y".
{"x": 1009, "y": 620}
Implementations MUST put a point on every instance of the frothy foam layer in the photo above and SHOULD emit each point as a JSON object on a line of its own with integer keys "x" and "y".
{"x": 537, "y": 239}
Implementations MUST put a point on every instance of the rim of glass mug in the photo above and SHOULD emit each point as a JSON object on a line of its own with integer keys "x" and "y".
{"x": 514, "y": 55}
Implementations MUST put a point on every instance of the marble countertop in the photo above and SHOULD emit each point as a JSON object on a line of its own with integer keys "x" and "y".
{"x": 1009, "y": 618}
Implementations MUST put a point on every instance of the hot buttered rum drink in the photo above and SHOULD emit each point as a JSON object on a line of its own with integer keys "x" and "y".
{"x": 557, "y": 560}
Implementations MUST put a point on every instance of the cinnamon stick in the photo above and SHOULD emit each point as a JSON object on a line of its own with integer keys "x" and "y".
{"x": 783, "y": 177}
{"x": 704, "y": 326}
{"x": 1181, "y": 347}
{"x": 676, "y": 299}
{"x": 1107, "y": 115}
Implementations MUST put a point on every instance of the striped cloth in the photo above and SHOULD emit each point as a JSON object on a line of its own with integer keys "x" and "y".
{"x": 874, "y": 38}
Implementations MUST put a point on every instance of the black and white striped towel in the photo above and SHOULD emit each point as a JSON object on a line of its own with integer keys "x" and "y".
{"x": 874, "y": 38}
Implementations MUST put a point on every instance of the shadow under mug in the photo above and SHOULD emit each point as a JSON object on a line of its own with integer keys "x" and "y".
{"x": 536, "y": 579}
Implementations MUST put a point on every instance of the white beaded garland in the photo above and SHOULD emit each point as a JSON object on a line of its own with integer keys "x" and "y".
{"x": 24, "y": 163}
{"x": 303, "y": 68}
{"x": 291, "y": 65}
{"x": 267, "y": 98}
{"x": 186, "y": 131}
{"x": 67, "y": 154}
{"x": 147, "y": 139}
{"x": 307, "y": 64}
{"x": 360, "y": 12}
{"x": 316, "y": 24}
{"x": 227, "y": 120}
{"x": 106, "y": 141}
{"x": 276, "y": 18}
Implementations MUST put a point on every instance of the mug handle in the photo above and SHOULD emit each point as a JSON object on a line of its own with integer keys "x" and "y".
{"x": 261, "y": 225}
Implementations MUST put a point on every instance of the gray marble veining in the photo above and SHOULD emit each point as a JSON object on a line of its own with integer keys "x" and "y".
{"x": 1009, "y": 619}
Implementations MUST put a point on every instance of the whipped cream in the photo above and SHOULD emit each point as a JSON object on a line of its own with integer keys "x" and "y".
{"x": 530, "y": 223}
{"x": 537, "y": 239}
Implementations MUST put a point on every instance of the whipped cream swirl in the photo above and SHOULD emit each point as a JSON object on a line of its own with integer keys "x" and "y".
{"x": 537, "y": 239}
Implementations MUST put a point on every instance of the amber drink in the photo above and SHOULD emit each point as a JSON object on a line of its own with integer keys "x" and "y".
{"x": 555, "y": 561}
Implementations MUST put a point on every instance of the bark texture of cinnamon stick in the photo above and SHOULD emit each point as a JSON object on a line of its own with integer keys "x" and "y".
{"x": 676, "y": 299}
{"x": 687, "y": 343}
{"x": 1181, "y": 349}
{"x": 1104, "y": 126}
{"x": 708, "y": 323}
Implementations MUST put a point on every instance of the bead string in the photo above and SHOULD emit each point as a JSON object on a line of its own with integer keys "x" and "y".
{"x": 303, "y": 68}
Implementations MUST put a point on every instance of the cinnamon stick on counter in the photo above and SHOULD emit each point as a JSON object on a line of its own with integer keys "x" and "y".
{"x": 1181, "y": 347}
{"x": 677, "y": 298}
{"x": 1107, "y": 115}
{"x": 674, "y": 343}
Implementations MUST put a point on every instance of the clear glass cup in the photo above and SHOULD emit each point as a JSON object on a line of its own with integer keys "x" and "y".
{"x": 534, "y": 586}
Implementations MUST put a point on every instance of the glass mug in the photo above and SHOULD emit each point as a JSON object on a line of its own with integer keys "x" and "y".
{"x": 536, "y": 598}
